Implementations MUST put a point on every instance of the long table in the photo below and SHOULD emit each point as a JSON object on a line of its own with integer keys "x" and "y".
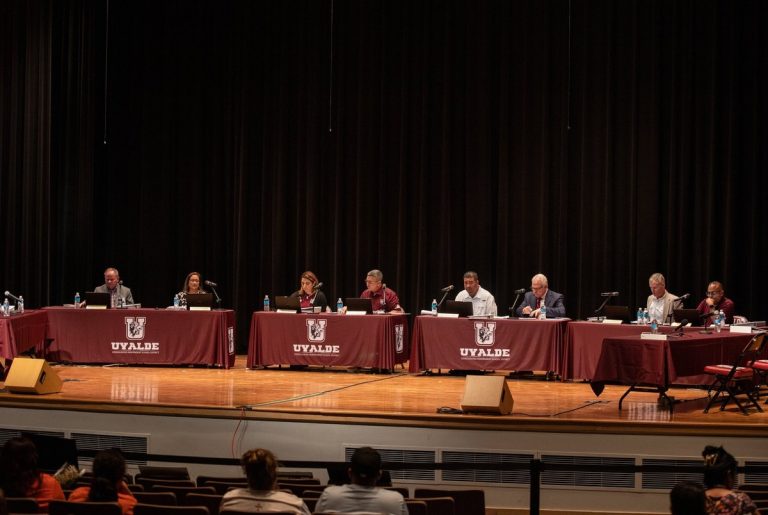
{"x": 584, "y": 342}
{"x": 19, "y": 333}
{"x": 142, "y": 336}
{"x": 327, "y": 339}
{"x": 631, "y": 360}
{"x": 486, "y": 344}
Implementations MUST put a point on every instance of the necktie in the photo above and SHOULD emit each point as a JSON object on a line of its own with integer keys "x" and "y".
{"x": 538, "y": 303}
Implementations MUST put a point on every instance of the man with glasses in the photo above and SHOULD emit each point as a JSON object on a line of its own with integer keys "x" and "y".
{"x": 716, "y": 301}
{"x": 661, "y": 302}
{"x": 539, "y": 295}
{"x": 382, "y": 298}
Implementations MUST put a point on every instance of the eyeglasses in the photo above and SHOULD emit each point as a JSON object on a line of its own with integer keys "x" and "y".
{"x": 713, "y": 293}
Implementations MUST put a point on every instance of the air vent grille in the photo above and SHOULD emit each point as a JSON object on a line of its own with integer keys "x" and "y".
{"x": 519, "y": 477}
{"x": 622, "y": 480}
{"x": 666, "y": 480}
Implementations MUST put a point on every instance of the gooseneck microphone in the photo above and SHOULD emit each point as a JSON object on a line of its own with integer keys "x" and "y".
{"x": 519, "y": 292}
{"x": 609, "y": 294}
{"x": 317, "y": 286}
{"x": 210, "y": 283}
{"x": 447, "y": 289}
{"x": 11, "y": 296}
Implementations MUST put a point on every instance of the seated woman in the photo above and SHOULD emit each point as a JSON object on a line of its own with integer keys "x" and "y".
{"x": 191, "y": 287}
{"x": 262, "y": 495}
{"x": 108, "y": 482}
{"x": 309, "y": 293}
{"x": 19, "y": 476}
{"x": 719, "y": 480}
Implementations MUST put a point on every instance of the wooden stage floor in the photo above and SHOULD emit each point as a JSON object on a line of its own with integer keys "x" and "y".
{"x": 398, "y": 399}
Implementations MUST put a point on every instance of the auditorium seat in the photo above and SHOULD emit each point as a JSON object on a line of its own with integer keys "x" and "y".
{"x": 163, "y": 498}
{"x": 417, "y": 507}
{"x": 204, "y": 480}
{"x": 223, "y": 487}
{"x": 438, "y": 505}
{"x": 56, "y": 507}
{"x": 158, "y": 509}
{"x": 210, "y": 501}
{"x": 399, "y": 489}
{"x": 466, "y": 502}
{"x": 149, "y": 482}
{"x": 182, "y": 491}
{"x": 22, "y": 505}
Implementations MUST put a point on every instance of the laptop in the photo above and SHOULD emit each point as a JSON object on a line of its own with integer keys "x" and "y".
{"x": 617, "y": 313}
{"x": 286, "y": 302}
{"x": 359, "y": 304}
{"x": 462, "y": 308}
{"x": 199, "y": 301}
{"x": 94, "y": 300}
{"x": 692, "y": 315}
{"x": 53, "y": 451}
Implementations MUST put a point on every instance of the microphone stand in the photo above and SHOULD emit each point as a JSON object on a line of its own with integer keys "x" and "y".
{"x": 218, "y": 299}
{"x": 512, "y": 307}
{"x": 600, "y": 309}
{"x": 442, "y": 299}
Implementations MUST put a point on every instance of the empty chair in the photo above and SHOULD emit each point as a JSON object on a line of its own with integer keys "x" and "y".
{"x": 204, "y": 480}
{"x": 416, "y": 507}
{"x": 57, "y": 507}
{"x": 439, "y": 505}
{"x": 467, "y": 502}
{"x": 163, "y": 472}
{"x": 210, "y": 501}
{"x": 182, "y": 491}
{"x": 149, "y": 482}
{"x": 162, "y": 498}
{"x": 736, "y": 379}
{"x": 22, "y": 505}
{"x": 158, "y": 509}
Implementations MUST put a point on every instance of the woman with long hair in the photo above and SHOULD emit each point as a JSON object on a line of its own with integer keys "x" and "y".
{"x": 107, "y": 483}
{"x": 262, "y": 495}
{"x": 20, "y": 477}
{"x": 720, "y": 482}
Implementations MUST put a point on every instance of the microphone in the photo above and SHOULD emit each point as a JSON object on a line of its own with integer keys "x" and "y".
{"x": 447, "y": 289}
{"x": 12, "y": 296}
{"x": 707, "y": 315}
{"x": 317, "y": 286}
{"x": 683, "y": 297}
{"x": 210, "y": 283}
{"x": 519, "y": 292}
{"x": 609, "y": 294}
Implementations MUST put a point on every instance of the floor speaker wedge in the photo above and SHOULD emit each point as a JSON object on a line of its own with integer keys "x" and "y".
{"x": 29, "y": 375}
{"x": 487, "y": 394}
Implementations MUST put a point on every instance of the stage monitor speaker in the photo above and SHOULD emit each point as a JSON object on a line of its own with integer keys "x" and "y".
{"x": 487, "y": 394}
{"x": 29, "y": 375}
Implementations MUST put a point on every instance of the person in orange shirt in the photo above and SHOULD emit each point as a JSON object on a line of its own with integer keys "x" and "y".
{"x": 108, "y": 483}
{"x": 20, "y": 477}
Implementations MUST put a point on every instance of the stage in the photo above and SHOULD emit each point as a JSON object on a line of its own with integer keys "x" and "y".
{"x": 316, "y": 414}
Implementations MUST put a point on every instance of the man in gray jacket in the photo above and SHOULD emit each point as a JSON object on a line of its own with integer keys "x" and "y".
{"x": 113, "y": 285}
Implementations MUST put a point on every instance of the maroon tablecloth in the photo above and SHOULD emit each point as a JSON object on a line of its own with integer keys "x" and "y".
{"x": 142, "y": 336}
{"x": 583, "y": 344}
{"x": 19, "y": 333}
{"x": 327, "y": 339}
{"x": 678, "y": 360}
{"x": 475, "y": 344}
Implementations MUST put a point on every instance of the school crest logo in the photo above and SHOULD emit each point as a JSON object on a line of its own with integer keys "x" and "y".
{"x": 485, "y": 333}
{"x": 399, "y": 342}
{"x": 135, "y": 327}
{"x": 316, "y": 329}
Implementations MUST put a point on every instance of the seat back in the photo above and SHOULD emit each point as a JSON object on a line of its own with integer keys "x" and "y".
{"x": 158, "y": 509}
{"x": 149, "y": 482}
{"x": 467, "y": 502}
{"x": 223, "y": 487}
{"x": 57, "y": 507}
{"x": 416, "y": 507}
{"x": 210, "y": 501}
{"x": 182, "y": 491}
{"x": 162, "y": 498}
{"x": 22, "y": 505}
{"x": 441, "y": 505}
{"x": 204, "y": 480}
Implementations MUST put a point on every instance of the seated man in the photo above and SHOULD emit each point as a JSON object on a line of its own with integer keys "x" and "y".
{"x": 716, "y": 301}
{"x": 539, "y": 295}
{"x": 114, "y": 287}
{"x": 482, "y": 301}
{"x": 382, "y": 298}
{"x": 660, "y": 301}
{"x": 362, "y": 495}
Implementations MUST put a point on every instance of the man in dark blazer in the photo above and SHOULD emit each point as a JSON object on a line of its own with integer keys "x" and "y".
{"x": 113, "y": 286}
{"x": 541, "y": 294}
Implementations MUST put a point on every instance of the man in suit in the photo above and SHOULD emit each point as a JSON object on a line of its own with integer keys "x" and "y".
{"x": 114, "y": 288}
{"x": 660, "y": 301}
{"x": 539, "y": 295}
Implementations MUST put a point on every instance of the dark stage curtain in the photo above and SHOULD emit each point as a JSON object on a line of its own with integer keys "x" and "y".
{"x": 594, "y": 141}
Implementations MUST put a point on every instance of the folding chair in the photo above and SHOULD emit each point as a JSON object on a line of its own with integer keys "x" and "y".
{"x": 734, "y": 380}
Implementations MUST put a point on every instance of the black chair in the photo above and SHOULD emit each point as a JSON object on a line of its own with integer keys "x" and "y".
{"x": 162, "y": 498}
{"x": 467, "y": 502}
{"x": 56, "y": 507}
{"x": 22, "y": 505}
{"x": 183, "y": 491}
{"x": 736, "y": 379}
{"x": 210, "y": 501}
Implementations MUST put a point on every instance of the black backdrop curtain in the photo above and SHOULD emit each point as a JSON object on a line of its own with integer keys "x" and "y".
{"x": 595, "y": 141}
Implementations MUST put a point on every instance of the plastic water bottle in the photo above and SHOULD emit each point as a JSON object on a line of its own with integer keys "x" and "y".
{"x": 20, "y": 305}
{"x": 543, "y": 312}
{"x": 434, "y": 307}
{"x": 718, "y": 321}
{"x": 654, "y": 326}
{"x": 176, "y": 301}
{"x": 640, "y": 316}
{"x": 120, "y": 302}
{"x": 6, "y": 308}
{"x": 646, "y": 316}
{"x": 77, "y": 299}
{"x": 266, "y": 302}
{"x": 339, "y": 306}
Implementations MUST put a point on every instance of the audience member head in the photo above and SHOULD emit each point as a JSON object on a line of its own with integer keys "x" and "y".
{"x": 720, "y": 468}
{"x": 18, "y": 467}
{"x": 688, "y": 498}
{"x": 365, "y": 466}
{"x": 373, "y": 280}
{"x": 260, "y": 467}
{"x": 658, "y": 285}
{"x": 108, "y": 472}
{"x": 192, "y": 283}
{"x": 471, "y": 283}
{"x": 308, "y": 281}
